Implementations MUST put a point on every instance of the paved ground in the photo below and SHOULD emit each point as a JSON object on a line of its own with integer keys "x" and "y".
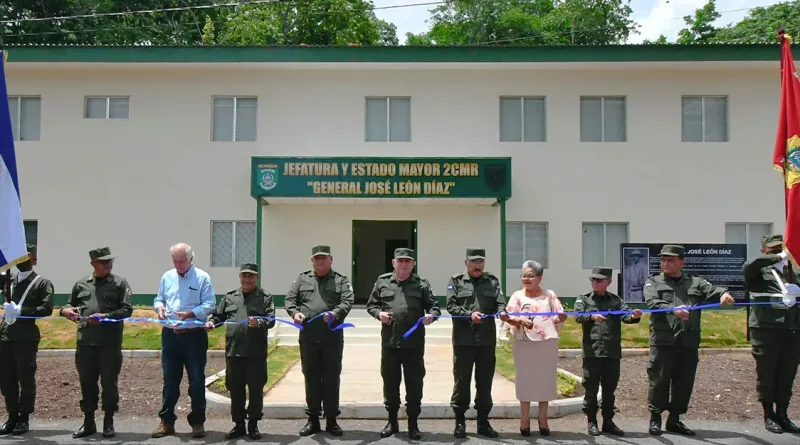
{"x": 361, "y": 378}
{"x": 568, "y": 430}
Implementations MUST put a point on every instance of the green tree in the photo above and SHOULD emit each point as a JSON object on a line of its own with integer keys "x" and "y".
{"x": 159, "y": 28}
{"x": 311, "y": 22}
{"x": 529, "y": 22}
{"x": 661, "y": 40}
{"x": 700, "y": 27}
{"x": 762, "y": 23}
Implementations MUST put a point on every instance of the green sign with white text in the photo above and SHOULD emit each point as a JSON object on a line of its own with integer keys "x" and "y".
{"x": 368, "y": 177}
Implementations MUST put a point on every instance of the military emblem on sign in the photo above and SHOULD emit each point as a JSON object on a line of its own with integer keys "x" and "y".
{"x": 269, "y": 178}
{"x": 494, "y": 175}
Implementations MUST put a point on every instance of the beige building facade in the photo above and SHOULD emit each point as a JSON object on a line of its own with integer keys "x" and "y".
{"x": 257, "y": 154}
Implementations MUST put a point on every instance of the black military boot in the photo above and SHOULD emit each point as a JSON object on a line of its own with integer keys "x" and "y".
{"x": 460, "y": 431}
{"x": 252, "y": 429}
{"x": 674, "y": 425}
{"x": 88, "y": 428}
{"x": 22, "y": 426}
{"x": 237, "y": 431}
{"x": 413, "y": 429}
{"x": 311, "y": 427}
{"x": 108, "y": 425}
{"x": 484, "y": 427}
{"x": 391, "y": 426}
{"x": 591, "y": 421}
{"x": 609, "y": 426}
{"x": 770, "y": 419}
{"x": 8, "y": 427}
{"x": 655, "y": 424}
{"x": 332, "y": 427}
{"x": 782, "y": 415}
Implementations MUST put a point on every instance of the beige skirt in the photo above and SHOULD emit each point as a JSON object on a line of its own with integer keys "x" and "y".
{"x": 535, "y": 370}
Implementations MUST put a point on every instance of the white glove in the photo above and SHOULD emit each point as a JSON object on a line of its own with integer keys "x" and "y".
{"x": 791, "y": 294}
{"x": 11, "y": 312}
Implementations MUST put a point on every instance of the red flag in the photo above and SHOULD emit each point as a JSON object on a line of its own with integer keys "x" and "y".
{"x": 786, "y": 157}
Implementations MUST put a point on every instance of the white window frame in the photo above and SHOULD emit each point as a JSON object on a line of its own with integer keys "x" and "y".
{"x": 233, "y": 240}
{"x": 235, "y": 103}
{"x": 545, "y": 262}
{"x": 16, "y": 127}
{"x": 521, "y": 100}
{"x": 388, "y": 100}
{"x": 703, "y": 117}
{"x": 747, "y": 230}
{"x": 603, "y": 118}
{"x": 605, "y": 241}
{"x": 108, "y": 106}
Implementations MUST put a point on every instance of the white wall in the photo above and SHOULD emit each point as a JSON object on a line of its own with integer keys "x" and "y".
{"x": 290, "y": 231}
{"x": 142, "y": 184}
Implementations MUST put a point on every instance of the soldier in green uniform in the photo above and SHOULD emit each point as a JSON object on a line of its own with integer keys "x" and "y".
{"x": 321, "y": 291}
{"x": 31, "y": 296}
{"x": 774, "y": 333}
{"x": 474, "y": 293}
{"x": 602, "y": 349}
{"x": 398, "y": 299}
{"x": 245, "y": 348}
{"x": 101, "y": 295}
{"x": 675, "y": 337}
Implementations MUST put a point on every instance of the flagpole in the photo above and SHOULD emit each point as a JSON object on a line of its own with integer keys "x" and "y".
{"x": 7, "y": 284}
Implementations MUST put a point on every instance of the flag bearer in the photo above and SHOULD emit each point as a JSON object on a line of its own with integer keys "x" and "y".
{"x": 101, "y": 295}
{"x": 774, "y": 333}
{"x": 474, "y": 293}
{"x": 602, "y": 349}
{"x": 245, "y": 348}
{"x": 31, "y": 296}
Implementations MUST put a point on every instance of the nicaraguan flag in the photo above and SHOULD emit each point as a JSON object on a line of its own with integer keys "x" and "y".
{"x": 12, "y": 232}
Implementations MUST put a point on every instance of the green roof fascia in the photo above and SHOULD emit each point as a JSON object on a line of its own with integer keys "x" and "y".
{"x": 394, "y": 54}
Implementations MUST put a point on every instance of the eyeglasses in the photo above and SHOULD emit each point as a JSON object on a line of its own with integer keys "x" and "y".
{"x": 528, "y": 277}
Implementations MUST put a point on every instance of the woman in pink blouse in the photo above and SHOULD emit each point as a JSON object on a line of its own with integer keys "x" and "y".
{"x": 535, "y": 345}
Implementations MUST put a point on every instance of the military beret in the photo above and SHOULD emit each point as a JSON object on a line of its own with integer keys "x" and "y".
{"x": 601, "y": 273}
{"x": 404, "y": 252}
{"x": 476, "y": 254}
{"x": 321, "y": 250}
{"x": 772, "y": 240}
{"x": 672, "y": 250}
{"x": 249, "y": 268}
{"x": 101, "y": 253}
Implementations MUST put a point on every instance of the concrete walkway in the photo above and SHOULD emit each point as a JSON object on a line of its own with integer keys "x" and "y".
{"x": 361, "y": 378}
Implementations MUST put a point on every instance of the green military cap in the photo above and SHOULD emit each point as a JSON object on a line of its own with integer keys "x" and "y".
{"x": 101, "y": 253}
{"x": 249, "y": 268}
{"x": 32, "y": 248}
{"x": 601, "y": 273}
{"x": 321, "y": 250}
{"x": 672, "y": 250}
{"x": 404, "y": 252}
{"x": 476, "y": 254}
{"x": 636, "y": 253}
{"x": 772, "y": 240}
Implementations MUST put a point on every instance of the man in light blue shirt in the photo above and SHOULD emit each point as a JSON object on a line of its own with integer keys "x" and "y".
{"x": 185, "y": 299}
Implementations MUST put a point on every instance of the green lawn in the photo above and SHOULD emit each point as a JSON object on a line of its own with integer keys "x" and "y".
{"x": 721, "y": 329}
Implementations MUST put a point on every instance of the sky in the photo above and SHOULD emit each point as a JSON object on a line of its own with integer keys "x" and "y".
{"x": 656, "y": 17}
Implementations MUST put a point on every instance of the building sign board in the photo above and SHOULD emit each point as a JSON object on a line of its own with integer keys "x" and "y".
{"x": 720, "y": 264}
{"x": 372, "y": 177}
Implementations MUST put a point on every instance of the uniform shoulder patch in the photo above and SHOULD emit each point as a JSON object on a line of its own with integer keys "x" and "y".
{"x": 49, "y": 288}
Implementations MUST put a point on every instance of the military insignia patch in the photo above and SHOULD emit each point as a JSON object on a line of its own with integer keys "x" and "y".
{"x": 49, "y": 289}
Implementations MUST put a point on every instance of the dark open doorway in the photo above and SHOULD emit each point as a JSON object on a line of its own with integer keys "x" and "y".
{"x": 374, "y": 243}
